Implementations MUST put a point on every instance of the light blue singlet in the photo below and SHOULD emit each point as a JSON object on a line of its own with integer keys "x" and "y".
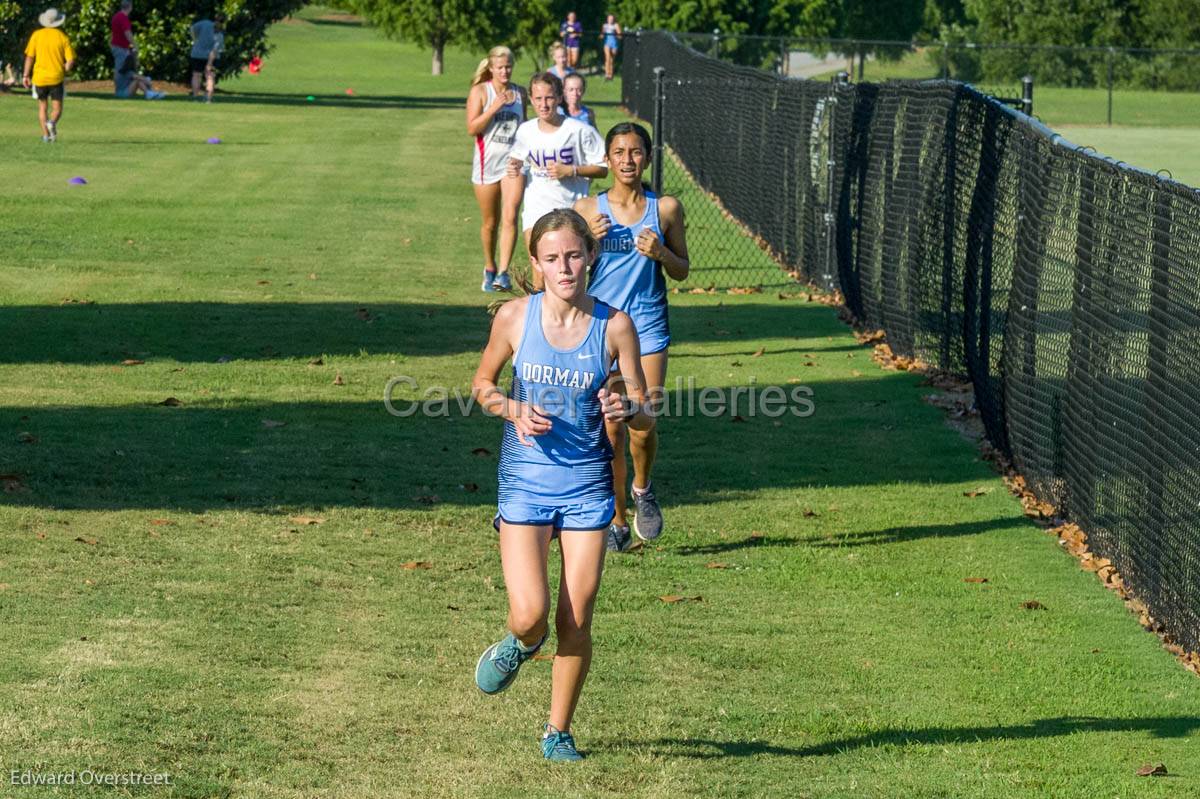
{"x": 572, "y": 463}
{"x": 628, "y": 280}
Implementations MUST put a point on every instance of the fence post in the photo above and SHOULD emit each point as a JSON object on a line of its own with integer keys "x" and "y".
{"x": 656, "y": 150}
{"x": 839, "y": 80}
{"x": 716, "y": 43}
{"x": 783, "y": 57}
{"x": 637, "y": 64}
{"x": 1111, "y": 53}
{"x": 1027, "y": 95}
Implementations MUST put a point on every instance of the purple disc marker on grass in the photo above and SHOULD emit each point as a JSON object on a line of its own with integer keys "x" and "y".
{"x": 77, "y": 181}
{"x": 213, "y": 140}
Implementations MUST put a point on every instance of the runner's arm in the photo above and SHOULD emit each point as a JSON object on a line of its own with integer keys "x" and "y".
{"x": 635, "y": 411}
{"x": 675, "y": 252}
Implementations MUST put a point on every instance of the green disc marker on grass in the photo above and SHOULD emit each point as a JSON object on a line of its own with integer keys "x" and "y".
{"x": 310, "y": 98}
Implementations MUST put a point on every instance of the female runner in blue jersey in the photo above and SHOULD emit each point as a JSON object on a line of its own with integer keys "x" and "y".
{"x": 574, "y": 85}
{"x": 611, "y": 32}
{"x": 641, "y": 236}
{"x": 555, "y": 459}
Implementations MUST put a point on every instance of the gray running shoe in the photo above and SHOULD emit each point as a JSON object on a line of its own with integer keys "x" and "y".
{"x": 647, "y": 516}
{"x": 618, "y": 538}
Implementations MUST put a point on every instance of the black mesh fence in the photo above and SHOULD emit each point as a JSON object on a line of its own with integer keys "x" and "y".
{"x": 1066, "y": 286}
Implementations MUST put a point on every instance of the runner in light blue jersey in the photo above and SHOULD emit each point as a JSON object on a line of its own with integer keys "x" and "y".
{"x": 611, "y": 32}
{"x": 574, "y": 85}
{"x": 555, "y": 472}
{"x": 641, "y": 237}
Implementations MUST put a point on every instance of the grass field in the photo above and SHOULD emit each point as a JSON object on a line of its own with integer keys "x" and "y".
{"x": 276, "y": 589}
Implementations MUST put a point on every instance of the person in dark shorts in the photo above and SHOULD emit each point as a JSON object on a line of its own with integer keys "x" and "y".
{"x": 571, "y": 32}
{"x": 208, "y": 42}
{"x": 48, "y": 58}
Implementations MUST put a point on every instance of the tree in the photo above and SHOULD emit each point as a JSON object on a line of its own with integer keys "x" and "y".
{"x": 534, "y": 27}
{"x": 162, "y": 28}
{"x": 1076, "y": 22}
{"x": 940, "y": 14}
{"x": 894, "y": 20}
{"x": 475, "y": 24}
{"x": 799, "y": 18}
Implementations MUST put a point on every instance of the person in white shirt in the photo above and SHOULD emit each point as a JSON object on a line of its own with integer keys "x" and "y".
{"x": 561, "y": 154}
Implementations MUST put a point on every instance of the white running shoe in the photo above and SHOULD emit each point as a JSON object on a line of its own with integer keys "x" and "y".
{"x": 52, "y": 131}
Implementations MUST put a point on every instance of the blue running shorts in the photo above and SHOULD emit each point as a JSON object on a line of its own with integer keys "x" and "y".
{"x": 595, "y": 514}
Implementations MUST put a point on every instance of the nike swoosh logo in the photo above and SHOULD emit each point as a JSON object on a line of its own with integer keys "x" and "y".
{"x": 584, "y": 357}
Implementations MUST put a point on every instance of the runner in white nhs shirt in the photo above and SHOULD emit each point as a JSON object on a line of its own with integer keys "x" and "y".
{"x": 562, "y": 155}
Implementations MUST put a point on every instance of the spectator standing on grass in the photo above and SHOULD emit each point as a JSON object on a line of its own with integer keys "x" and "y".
{"x": 208, "y": 43}
{"x": 48, "y": 58}
{"x": 571, "y": 33}
{"x": 122, "y": 43}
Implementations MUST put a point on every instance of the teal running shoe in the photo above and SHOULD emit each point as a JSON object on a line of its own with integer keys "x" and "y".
{"x": 502, "y": 282}
{"x": 499, "y": 663}
{"x": 559, "y": 745}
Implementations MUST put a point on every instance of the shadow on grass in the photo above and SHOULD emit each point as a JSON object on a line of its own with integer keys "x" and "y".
{"x": 749, "y": 352}
{"x": 897, "y": 535}
{"x": 358, "y": 101}
{"x": 214, "y": 453}
{"x": 748, "y": 542}
{"x": 708, "y": 749}
{"x": 208, "y": 331}
{"x": 347, "y": 22}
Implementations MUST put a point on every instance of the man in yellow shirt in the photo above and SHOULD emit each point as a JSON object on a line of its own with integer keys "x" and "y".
{"x": 48, "y": 58}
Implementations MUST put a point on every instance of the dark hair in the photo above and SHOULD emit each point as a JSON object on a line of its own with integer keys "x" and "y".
{"x": 562, "y": 219}
{"x": 549, "y": 79}
{"x": 624, "y": 129}
{"x": 582, "y": 80}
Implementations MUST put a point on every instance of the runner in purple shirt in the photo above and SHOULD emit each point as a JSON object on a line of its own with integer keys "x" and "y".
{"x": 571, "y": 32}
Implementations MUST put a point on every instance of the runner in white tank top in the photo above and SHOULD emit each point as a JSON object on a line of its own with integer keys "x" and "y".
{"x": 495, "y": 109}
{"x": 490, "y": 158}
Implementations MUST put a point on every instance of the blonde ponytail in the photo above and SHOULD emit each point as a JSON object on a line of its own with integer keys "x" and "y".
{"x": 483, "y": 72}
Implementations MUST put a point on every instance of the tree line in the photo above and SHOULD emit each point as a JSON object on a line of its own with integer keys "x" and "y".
{"x": 162, "y": 29}
{"x": 529, "y": 26}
